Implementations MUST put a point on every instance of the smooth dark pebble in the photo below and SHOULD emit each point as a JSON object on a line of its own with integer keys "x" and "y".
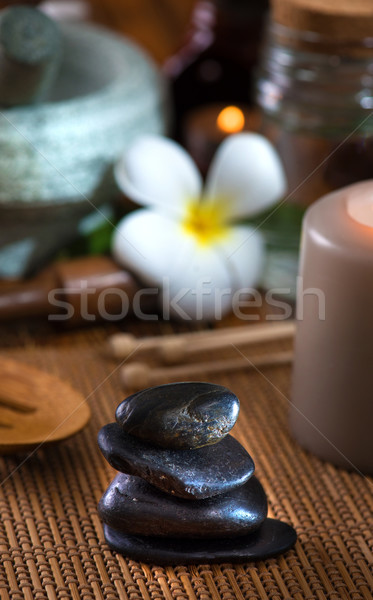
{"x": 180, "y": 415}
{"x": 273, "y": 537}
{"x": 132, "y": 505}
{"x": 194, "y": 474}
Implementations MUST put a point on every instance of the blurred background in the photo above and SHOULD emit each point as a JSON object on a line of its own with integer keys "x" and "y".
{"x": 157, "y": 26}
{"x": 199, "y": 71}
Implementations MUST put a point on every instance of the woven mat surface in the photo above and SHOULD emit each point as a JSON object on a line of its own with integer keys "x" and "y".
{"x": 51, "y": 539}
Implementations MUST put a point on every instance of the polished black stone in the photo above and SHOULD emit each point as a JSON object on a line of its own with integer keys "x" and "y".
{"x": 132, "y": 505}
{"x": 272, "y": 537}
{"x": 180, "y": 415}
{"x": 197, "y": 474}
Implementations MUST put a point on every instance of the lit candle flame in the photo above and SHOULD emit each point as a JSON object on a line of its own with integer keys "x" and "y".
{"x": 231, "y": 119}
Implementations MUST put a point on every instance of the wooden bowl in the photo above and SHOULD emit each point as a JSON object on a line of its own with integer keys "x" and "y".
{"x": 36, "y": 408}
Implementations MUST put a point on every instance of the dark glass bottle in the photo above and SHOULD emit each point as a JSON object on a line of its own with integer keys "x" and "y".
{"x": 216, "y": 62}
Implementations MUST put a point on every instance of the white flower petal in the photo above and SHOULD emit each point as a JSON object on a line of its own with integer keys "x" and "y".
{"x": 247, "y": 174}
{"x": 195, "y": 279}
{"x": 243, "y": 253}
{"x": 200, "y": 288}
{"x": 146, "y": 241}
{"x": 156, "y": 171}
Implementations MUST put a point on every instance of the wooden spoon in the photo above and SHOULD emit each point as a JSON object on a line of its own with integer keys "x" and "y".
{"x": 36, "y": 408}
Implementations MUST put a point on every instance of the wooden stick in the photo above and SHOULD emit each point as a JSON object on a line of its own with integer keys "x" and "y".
{"x": 121, "y": 345}
{"x": 139, "y": 375}
{"x": 176, "y": 350}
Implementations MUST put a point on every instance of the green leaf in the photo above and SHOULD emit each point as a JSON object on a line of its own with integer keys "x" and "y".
{"x": 280, "y": 225}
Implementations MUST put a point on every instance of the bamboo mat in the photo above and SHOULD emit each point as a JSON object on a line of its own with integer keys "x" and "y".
{"x": 51, "y": 540}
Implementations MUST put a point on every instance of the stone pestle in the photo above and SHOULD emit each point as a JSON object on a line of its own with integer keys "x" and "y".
{"x": 30, "y": 52}
{"x": 185, "y": 491}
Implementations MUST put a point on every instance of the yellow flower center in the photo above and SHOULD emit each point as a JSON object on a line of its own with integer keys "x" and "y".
{"x": 206, "y": 221}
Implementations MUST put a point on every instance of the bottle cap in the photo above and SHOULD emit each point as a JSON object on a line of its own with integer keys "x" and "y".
{"x": 345, "y": 22}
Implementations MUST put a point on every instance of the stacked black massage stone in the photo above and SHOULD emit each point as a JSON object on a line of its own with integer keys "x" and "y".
{"x": 186, "y": 492}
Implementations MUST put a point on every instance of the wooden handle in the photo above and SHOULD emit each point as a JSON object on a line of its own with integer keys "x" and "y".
{"x": 177, "y": 350}
{"x": 121, "y": 345}
{"x": 174, "y": 348}
{"x": 136, "y": 376}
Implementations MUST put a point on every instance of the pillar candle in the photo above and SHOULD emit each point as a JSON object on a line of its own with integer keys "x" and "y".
{"x": 332, "y": 395}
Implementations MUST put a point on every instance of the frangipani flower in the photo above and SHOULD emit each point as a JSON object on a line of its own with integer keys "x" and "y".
{"x": 188, "y": 239}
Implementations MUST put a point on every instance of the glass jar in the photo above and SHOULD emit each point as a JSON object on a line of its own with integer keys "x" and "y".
{"x": 315, "y": 91}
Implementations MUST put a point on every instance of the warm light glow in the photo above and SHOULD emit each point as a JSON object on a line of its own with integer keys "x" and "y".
{"x": 231, "y": 119}
{"x": 361, "y": 209}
